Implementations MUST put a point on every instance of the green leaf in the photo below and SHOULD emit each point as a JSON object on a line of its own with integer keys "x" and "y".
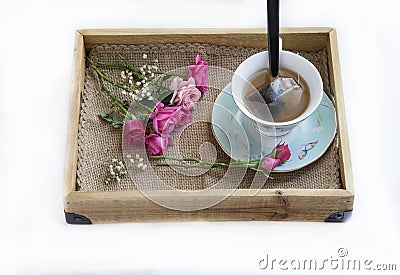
{"x": 167, "y": 98}
{"x": 105, "y": 116}
{"x": 116, "y": 120}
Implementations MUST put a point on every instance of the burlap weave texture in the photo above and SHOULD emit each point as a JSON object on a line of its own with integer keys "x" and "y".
{"x": 98, "y": 141}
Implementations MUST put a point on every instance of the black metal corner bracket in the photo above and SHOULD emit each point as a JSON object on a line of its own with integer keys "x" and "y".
{"x": 341, "y": 216}
{"x": 72, "y": 218}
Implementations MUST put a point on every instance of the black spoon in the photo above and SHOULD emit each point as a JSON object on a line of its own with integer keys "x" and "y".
{"x": 280, "y": 90}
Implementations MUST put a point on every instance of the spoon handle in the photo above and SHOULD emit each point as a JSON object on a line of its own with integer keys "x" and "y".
{"x": 273, "y": 36}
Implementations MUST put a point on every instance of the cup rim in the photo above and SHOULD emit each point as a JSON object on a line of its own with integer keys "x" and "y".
{"x": 284, "y": 123}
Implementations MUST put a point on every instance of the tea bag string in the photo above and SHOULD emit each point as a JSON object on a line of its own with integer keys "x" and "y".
{"x": 297, "y": 69}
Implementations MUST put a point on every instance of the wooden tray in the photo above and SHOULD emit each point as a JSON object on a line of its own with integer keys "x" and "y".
{"x": 269, "y": 204}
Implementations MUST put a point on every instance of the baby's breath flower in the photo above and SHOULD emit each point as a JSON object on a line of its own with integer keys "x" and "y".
{"x": 144, "y": 56}
{"x": 116, "y": 169}
{"x": 137, "y": 162}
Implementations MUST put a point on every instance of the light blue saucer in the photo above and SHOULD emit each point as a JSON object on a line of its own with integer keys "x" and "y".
{"x": 239, "y": 138}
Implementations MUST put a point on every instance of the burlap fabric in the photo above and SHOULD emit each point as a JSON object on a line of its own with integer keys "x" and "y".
{"x": 98, "y": 141}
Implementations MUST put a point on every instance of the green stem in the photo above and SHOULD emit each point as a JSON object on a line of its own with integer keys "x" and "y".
{"x": 172, "y": 74}
{"x": 203, "y": 163}
{"x": 102, "y": 75}
{"x": 115, "y": 100}
{"x": 129, "y": 67}
{"x": 113, "y": 65}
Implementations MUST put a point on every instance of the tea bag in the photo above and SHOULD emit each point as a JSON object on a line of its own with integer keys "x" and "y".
{"x": 284, "y": 98}
{"x": 279, "y": 89}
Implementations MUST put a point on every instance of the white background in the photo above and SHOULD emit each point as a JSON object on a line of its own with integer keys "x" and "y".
{"x": 36, "y": 44}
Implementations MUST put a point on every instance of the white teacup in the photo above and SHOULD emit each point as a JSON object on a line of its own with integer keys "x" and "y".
{"x": 289, "y": 61}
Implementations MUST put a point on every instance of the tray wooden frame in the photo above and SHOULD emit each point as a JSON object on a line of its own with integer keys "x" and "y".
{"x": 268, "y": 204}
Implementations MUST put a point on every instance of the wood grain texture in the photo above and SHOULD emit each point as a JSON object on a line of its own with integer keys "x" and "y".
{"x": 294, "y": 38}
{"x": 268, "y": 204}
{"x": 337, "y": 88}
{"x": 290, "y": 204}
{"x": 78, "y": 79}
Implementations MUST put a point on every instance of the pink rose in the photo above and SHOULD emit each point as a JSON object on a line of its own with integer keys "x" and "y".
{"x": 282, "y": 153}
{"x": 162, "y": 121}
{"x": 169, "y": 119}
{"x": 134, "y": 131}
{"x": 159, "y": 106}
{"x": 199, "y": 72}
{"x": 181, "y": 117}
{"x": 269, "y": 163}
{"x": 185, "y": 93}
{"x": 157, "y": 144}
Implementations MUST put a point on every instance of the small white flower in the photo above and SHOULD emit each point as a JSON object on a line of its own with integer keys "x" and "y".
{"x": 155, "y": 60}
{"x": 132, "y": 161}
{"x": 150, "y": 98}
{"x": 137, "y": 156}
{"x": 140, "y": 159}
{"x": 118, "y": 179}
{"x": 144, "y": 167}
{"x": 143, "y": 81}
{"x": 140, "y": 164}
{"x": 138, "y": 83}
{"x": 144, "y": 56}
{"x": 154, "y": 67}
{"x": 130, "y": 73}
{"x": 123, "y": 92}
{"x": 128, "y": 156}
{"x": 148, "y": 94}
{"x": 130, "y": 81}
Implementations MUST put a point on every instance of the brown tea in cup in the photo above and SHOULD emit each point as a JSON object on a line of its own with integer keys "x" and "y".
{"x": 287, "y": 109}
